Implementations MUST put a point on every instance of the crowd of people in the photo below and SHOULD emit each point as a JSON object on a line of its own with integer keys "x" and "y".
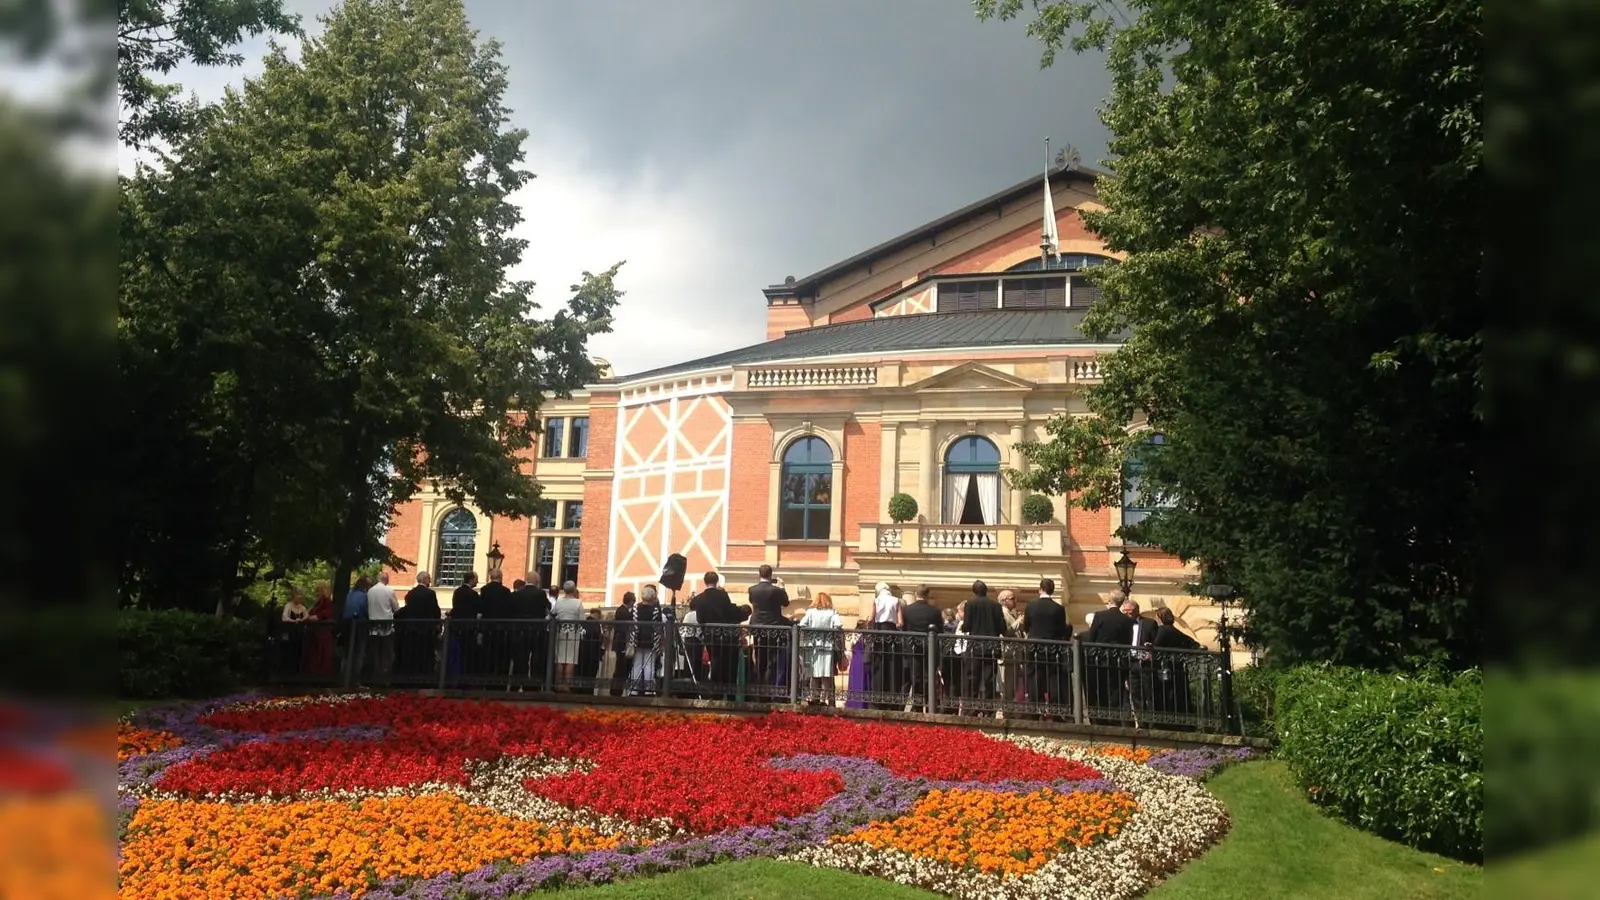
{"x": 982, "y": 657}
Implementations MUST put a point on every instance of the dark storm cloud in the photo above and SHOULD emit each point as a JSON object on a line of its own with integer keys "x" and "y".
{"x": 830, "y": 125}
{"x": 719, "y": 145}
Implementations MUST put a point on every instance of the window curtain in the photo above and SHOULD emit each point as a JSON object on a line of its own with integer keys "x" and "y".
{"x": 955, "y": 497}
{"x": 988, "y": 488}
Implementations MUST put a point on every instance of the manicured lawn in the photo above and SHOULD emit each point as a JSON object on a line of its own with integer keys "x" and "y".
{"x": 756, "y": 879}
{"x": 1282, "y": 846}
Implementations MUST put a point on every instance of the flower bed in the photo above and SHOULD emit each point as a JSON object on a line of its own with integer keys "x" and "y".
{"x": 405, "y": 796}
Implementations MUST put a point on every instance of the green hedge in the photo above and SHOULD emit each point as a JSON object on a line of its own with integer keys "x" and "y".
{"x": 1255, "y": 690}
{"x": 1400, "y": 756}
{"x": 168, "y": 653}
{"x": 1543, "y": 786}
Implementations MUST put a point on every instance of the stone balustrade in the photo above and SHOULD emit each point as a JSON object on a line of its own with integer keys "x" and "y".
{"x": 987, "y": 540}
{"x": 814, "y": 376}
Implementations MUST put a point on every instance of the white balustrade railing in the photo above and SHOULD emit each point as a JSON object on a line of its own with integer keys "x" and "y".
{"x": 959, "y": 537}
{"x": 814, "y": 376}
{"x": 1030, "y": 539}
{"x": 888, "y": 539}
{"x": 1086, "y": 370}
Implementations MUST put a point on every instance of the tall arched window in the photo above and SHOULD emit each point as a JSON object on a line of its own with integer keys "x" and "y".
{"x": 972, "y": 482}
{"x": 806, "y": 498}
{"x": 458, "y": 544}
{"x": 1136, "y": 507}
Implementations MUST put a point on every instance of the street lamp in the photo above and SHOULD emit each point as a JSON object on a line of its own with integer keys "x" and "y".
{"x": 1125, "y": 567}
{"x": 1222, "y": 593}
{"x": 495, "y": 557}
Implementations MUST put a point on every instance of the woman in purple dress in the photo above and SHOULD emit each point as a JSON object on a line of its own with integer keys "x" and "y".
{"x": 859, "y": 682}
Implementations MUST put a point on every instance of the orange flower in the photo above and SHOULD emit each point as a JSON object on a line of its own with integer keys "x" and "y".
{"x": 53, "y": 847}
{"x": 1140, "y": 755}
{"x": 133, "y": 741}
{"x": 179, "y": 850}
{"x": 999, "y": 833}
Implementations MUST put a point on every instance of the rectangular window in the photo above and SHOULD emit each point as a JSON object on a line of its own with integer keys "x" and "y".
{"x": 1135, "y": 507}
{"x": 1084, "y": 294}
{"x": 574, "y": 514}
{"x": 545, "y": 556}
{"x": 968, "y": 296}
{"x": 580, "y": 438}
{"x": 547, "y": 514}
{"x": 1036, "y": 293}
{"x": 571, "y": 552}
{"x": 553, "y": 431}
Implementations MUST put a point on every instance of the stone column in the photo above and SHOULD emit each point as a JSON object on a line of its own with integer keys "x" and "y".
{"x": 928, "y": 484}
{"x": 1014, "y": 508}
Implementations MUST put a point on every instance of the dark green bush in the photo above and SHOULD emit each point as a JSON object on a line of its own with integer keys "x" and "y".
{"x": 171, "y": 653}
{"x": 1255, "y": 690}
{"x": 1400, "y": 756}
{"x": 1037, "y": 509}
{"x": 902, "y": 508}
{"x": 1542, "y": 785}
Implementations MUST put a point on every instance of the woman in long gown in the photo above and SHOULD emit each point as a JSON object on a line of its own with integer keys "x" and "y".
{"x": 319, "y": 648}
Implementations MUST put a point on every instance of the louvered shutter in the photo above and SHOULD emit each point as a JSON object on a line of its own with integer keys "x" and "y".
{"x": 968, "y": 296}
{"x": 1084, "y": 294}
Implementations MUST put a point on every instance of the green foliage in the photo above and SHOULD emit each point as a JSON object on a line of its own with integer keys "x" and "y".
{"x": 315, "y": 313}
{"x": 171, "y": 653}
{"x": 1542, "y": 783}
{"x": 1280, "y": 846}
{"x": 156, "y": 36}
{"x": 1400, "y": 755}
{"x": 1037, "y": 509}
{"x": 1255, "y": 690}
{"x": 902, "y": 508}
{"x": 1298, "y": 190}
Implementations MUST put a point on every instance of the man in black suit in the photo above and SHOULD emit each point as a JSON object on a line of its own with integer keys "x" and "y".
{"x": 983, "y": 618}
{"x": 1048, "y": 665}
{"x": 415, "y": 640}
{"x": 767, "y": 602}
{"x": 466, "y": 610}
{"x": 1141, "y": 632}
{"x": 713, "y": 606}
{"x": 495, "y": 603}
{"x": 530, "y": 605}
{"x": 622, "y": 626}
{"x": 922, "y": 617}
{"x": 1103, "y": 667}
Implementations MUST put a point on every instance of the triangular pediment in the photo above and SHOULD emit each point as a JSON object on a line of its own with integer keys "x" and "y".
{"x": 973, "y": 376}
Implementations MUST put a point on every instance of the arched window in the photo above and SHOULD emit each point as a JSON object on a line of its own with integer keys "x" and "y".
{"x": 972, "y": 482}
{"x": 806, "y": 498}
{"x": 1136, "y": 506}
{"x": 458, "y": 543}
{"x": 1065, "y": 262}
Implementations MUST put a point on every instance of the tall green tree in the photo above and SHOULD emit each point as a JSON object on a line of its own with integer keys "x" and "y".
{"x": 322, "y": 271}
{"x": 1298, "y": 189}
{"x": 156, "y": 36}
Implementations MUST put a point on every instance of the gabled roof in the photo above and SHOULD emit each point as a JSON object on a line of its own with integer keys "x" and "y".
{"x": 808, "y": 285}
{"x": 892, "y": 334}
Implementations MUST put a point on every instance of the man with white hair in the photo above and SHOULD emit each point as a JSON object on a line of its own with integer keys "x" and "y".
{"x": 381, "y": 607}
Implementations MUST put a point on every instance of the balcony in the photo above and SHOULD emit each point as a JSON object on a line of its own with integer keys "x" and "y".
{"x": 925, "y": 539}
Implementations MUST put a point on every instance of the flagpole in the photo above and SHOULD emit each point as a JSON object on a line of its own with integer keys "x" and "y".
{"x": 1044, "y": 234}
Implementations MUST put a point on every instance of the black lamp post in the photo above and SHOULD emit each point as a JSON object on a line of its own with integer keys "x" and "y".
{"x": 1125, "y": 566}
{"x": 1222, "y": 593}
{"x": 495, "y": 557}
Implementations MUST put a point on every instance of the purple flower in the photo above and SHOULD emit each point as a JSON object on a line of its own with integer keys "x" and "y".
{"x": 1198, "y": 762}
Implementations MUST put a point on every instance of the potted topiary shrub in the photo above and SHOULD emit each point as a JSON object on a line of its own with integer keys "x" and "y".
{"x": 1037, "y": 509}
{"x": 902, "y": 508}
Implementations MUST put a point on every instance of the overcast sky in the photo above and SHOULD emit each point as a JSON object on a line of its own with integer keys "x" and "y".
{"x": 720, "y": 145}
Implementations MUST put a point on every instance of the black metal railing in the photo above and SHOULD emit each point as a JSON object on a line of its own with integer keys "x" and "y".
{"x": 863, "y": 668}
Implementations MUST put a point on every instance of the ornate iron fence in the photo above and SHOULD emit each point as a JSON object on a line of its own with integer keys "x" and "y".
{"x": 1016, "y": 679}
